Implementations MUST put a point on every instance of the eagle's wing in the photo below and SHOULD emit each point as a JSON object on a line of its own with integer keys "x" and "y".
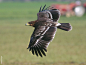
{"x": 43, "y": 33}
{"x": 40, "y": 39}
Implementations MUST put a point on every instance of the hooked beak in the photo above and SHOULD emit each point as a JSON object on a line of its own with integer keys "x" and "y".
{"x": 31, "y": 23}
{"x": 27, "y": 24}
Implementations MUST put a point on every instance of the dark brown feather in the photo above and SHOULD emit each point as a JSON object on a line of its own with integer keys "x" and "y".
{"x": 32, "y": 50}
{"x": 42, "y": 51}
{"x": 45, "y": 30}
{"x": 65, "y": 26}
{"x": 36, "y": 52}
{"x": 39, "y": 52}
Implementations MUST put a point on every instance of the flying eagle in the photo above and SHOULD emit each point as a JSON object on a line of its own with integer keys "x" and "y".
{"x": 45, "y": 30}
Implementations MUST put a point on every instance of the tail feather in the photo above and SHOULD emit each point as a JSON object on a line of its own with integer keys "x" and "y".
{"x": 65, "y": 26}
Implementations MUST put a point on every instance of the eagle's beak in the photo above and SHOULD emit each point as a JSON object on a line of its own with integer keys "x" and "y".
{"x": 27, "y": 24}
{"x": 31, "y": 23}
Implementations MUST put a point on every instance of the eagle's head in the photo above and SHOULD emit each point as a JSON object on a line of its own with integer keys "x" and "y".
{"x": 32, "y": 23}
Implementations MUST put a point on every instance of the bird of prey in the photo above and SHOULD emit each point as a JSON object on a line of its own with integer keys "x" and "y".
{"x": 45, "y": 29}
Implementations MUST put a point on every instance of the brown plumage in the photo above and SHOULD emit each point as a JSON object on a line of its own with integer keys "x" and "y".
{"x": 45, "y": 30}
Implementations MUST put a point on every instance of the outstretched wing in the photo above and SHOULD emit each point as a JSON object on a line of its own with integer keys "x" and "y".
{"x": 44, "y": 31}
{"x": 40, "y": 39}
{"x": 48, "y": 13}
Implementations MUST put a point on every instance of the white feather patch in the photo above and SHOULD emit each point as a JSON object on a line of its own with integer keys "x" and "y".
{"x": 58, "y": 24}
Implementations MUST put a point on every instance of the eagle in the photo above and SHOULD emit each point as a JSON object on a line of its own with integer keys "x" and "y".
{"x": 45, "y": 28}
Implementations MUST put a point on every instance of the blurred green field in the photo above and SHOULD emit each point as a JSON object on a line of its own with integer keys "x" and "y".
{"x": 67, "y": 48}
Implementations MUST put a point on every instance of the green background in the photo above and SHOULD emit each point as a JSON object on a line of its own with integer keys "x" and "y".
{"x": 67, "y": 48}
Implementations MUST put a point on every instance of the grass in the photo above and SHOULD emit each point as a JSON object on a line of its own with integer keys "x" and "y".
{"x": 67, "y": 48}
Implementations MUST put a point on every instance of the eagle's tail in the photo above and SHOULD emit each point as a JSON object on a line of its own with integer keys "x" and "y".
{"x": 65, "y": 26}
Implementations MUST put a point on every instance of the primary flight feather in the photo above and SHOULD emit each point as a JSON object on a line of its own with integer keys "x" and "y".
{"x": 45, "y": 30}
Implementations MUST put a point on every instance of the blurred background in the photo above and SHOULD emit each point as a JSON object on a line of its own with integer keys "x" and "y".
{"x": 67, "y": 48}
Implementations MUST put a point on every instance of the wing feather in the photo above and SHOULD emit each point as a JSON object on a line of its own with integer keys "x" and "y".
{"x": 44, "y": 7}
{"x": 32, "y": 50}
{"x": 44, "y": 31}
{"x": 39, "y": 45}
{"x": 42, "y": 51}
{"x": 39, "y": 52}
{"x": 40, "y": 9}
{"x": 36, "y": 52}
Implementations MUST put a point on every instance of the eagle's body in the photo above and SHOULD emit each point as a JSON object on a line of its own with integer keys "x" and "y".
{"x": 45, "y": 30}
